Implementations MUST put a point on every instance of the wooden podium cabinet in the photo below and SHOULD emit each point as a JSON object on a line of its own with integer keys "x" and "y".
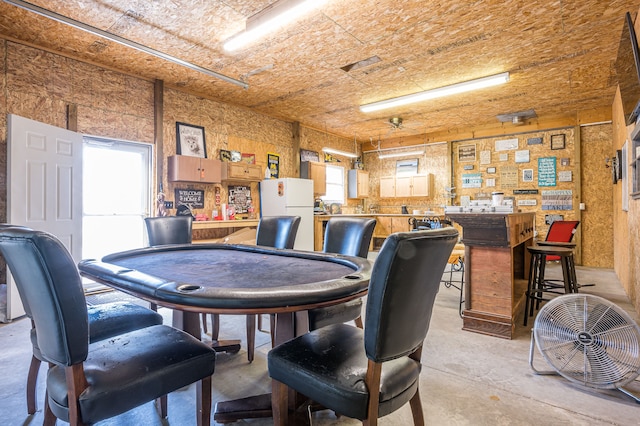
{"x": 496, "y": 269}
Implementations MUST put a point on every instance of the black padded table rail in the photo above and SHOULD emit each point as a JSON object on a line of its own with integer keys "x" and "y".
{"x": 231, "y": 276}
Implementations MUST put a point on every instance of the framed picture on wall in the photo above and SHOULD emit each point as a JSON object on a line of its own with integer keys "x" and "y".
{"x": 557, "y": 141}
{"x": 190, "y": 140}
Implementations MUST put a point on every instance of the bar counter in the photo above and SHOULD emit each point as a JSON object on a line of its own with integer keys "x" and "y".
{"x": 496, "y": 269}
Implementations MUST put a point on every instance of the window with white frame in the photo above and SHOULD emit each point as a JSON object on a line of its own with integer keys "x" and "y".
{"x": 335, "y": 185}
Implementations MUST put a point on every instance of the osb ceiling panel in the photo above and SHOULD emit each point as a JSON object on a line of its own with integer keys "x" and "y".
{"x": 560, "y": 54}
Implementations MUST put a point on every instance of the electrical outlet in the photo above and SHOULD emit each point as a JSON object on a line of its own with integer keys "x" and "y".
{"x": 168, "y": 204}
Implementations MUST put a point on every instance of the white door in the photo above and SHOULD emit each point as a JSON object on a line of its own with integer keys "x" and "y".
{"x": 44, "y": 187}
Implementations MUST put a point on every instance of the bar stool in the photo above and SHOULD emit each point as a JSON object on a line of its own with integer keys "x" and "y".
{"x": 537, "y": 286}
{"x": 456, "y": 264}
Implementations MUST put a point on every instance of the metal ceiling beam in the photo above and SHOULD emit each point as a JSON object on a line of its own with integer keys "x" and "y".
{"x": 132, "y": 44}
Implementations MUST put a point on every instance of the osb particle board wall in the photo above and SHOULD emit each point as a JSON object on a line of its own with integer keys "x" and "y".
{"x": 596, "y": 221}
{"x": 497, "y": 153}
{"x": 626, "y": 224}
{"x": 595, "y": 232}
{"x": 434, "y": 160}
{"x": 40, "y": 85}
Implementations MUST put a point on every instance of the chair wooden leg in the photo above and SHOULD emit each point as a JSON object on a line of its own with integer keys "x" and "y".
{"x": 416, "y": 409}
{"x": 204, "y": 323}
{"x": 215, "y": 326}
{"x": 251, "y": 336}
{"x": 32, "y": 380}
{"x": 272, "y": 329}
{"x": 279, "y": 403}
{"x": 49, "y": 417}
{"x": 203, "y": 401}
{"x": 161, "y": 406}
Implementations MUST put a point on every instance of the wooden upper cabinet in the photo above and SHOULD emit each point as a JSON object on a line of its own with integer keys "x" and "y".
{"x": 387, "y": 187}
{"x": 238, "y": 171}
{"x": 184, "y": 168}
{"x": 358, "y": 184}
{"x": 405, "y": 186}
{"x": 316, "y": 172}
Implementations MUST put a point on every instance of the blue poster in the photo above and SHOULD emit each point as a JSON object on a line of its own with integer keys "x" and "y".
{"x": 547, "y": 171}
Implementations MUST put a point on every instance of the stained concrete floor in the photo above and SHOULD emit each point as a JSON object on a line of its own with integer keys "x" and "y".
{"x": 467, "y": 378}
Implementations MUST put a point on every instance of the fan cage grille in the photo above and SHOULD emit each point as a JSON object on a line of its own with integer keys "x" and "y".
{"x": 589, "y": 340}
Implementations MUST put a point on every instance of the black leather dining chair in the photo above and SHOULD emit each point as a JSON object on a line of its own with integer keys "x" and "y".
{"x": 367, "y": 374}
{"x": 277, "y": 231}
{"x": 273, "y": 231}
{"x": 348, "y": 236}
{"x": 86, "y": 382}
{"x": 105, "y": 321}
{"x": 169, "y": 230}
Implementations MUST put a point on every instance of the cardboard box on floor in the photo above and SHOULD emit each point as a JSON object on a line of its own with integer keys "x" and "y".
{"x": 242, "y": 236}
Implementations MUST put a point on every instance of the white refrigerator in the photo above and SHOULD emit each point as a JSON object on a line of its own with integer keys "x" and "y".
{"x": 290, "y": 197}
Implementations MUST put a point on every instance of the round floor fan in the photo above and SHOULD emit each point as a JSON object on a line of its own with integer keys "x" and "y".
{"x": 589, "y": 341}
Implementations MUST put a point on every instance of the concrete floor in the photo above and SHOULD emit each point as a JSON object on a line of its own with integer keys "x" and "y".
{"x": 467, "y": 379}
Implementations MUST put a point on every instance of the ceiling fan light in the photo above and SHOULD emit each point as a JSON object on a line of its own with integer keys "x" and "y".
{"x": 439, "y": 92}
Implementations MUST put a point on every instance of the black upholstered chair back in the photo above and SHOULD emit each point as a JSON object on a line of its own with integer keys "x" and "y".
{"x": 349, "y": 236}
{"x": 50, "y": 286}
{"x": 169, "y": 230}
{"x": 277, "y": 231}
{"x": 404, "y": 283}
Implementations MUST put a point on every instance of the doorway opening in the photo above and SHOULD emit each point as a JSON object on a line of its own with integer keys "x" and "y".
{"x": 116, "y": 197}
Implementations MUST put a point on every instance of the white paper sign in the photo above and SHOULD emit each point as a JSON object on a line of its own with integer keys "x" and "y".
{"x": 522, "y": 156}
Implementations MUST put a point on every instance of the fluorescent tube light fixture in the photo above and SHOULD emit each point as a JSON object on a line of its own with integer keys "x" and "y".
{"x": 401, "y": 154}
{"x": 338, "y": 152}
{"x": 270, "y": 19}
{"x": 452, "y": 89}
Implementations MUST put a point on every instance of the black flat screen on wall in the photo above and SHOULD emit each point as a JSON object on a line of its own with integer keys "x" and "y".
{"x": 628, "y": 71}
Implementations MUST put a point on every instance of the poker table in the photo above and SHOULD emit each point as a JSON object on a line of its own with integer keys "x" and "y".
{"x": 234, "y": 279}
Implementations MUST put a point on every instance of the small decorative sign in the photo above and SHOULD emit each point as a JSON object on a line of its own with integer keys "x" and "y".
{"x": 472, "y": 180}
{"x": 194, "y": 198}
{"x": 248, "y": 158}
{"x": 240, "y": 198}
{"x": 491, "y": 170}
{"x": 491, "y": 182}
{"x": 565, "y": 176}
{"x": 524, "y": 191}
{"x": 504, "y": 157}
{"x": 550, "y": 218}
{"x": 485, "y": 157}
{"x": 547, "y": 171}
{"x": 534, "y": 141}
{"x": 527, "y": 202}
{"x": 522, "y": 156}
{"x": 467, "y": 153}
{"x": 527, "y": 175}
{"x": 557, "y": 141}
{"x": 468, "y": 167}
{"x": 509, "y": 177}
{"x": 273, "y": 162}
{"x": 307, "y": 155}
{"x": 507, "y": 144}
{"x": 557, "y": 200}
